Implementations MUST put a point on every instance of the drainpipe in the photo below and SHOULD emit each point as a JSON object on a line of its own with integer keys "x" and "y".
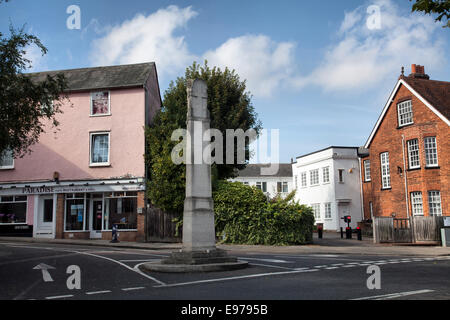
{"x": 406, "y": 181}
{"x": 361, "y": 189}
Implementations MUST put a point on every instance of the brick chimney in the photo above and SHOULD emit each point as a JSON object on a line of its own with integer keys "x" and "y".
{"x": 418, "y": 71}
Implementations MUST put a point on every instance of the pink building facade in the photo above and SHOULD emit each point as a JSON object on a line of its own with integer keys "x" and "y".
{"x": 88, "y": 173}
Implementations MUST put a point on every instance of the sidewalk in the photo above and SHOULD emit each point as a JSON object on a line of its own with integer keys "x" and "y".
{"x": 320, "y": 246}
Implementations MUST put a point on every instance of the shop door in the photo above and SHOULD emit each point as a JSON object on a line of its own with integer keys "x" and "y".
{"x": 45, "y": 217}
{"x": 96, "y": 220}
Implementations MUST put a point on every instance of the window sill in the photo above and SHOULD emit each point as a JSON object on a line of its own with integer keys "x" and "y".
{"x": 367, "y": 181}
{"x": 413, "y": 169}
{"x": 6, "y": 168}
{"x": 430, "y": 167}
{"x": 405, "y": 125}
{"x": 384, "y": 189}
{"x": 101, "y": 165}
{"x": 99, "y": 115}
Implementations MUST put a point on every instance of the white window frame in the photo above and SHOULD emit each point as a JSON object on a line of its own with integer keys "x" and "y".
{"x": 430, "y": 153}
{"x": 314, "y": 172}
{"x": 3, "y": 155}
{"x": 417, "y": 203}
{"x": 303, "y": 179}
{"x": 413, "y": 153}
{"x": 434, "y": 203}
{"x": 326, "y": 174}
{"x": 109, "y": 104}
{"x": 316, "y": 210}
{"x": 102, "y": 164}
{"x": 327, "y": 207}
{"x": 284, "y": 186}
{"x": 405, "y": 113}
{"x": 367, "y": 176}
{"x": 385, "y": 171}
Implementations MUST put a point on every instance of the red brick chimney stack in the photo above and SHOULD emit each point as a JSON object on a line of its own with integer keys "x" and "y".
{"x": 418, "y": 71}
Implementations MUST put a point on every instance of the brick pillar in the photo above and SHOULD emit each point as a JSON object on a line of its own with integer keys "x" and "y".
{"x": 59, "y": 216}
{"x": 140, "y": 237}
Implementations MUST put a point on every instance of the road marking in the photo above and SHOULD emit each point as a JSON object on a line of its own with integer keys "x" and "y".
{"x": 320, "y": 266}
{"x": 135, "y": 269}
{"x": 349, "y": 266}
{"x": 60, "y": 297}
{"x": 270, "y": 266}
{"x": 45, "y": 274}
{"x": 337, "y": 264}
{"x": 139, "y": 260}
{"x": 265, "y": 260}
{"x": 131, "y": 289}
{"x": 98, "y": 292}
{"x": 258, "y": 275}
{"x": 395, "y": 295}
{"x": 331, "y": 268}
{"x": 318, "y": 257}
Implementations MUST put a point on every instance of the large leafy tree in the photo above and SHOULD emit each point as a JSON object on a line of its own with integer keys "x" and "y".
{"x": 230, "y": 108}
{"x": 439, "y": 7}
{"x": 25, "y": 104}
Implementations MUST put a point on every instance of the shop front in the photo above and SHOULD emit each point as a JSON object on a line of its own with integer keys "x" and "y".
{"x": 75, "y": 211}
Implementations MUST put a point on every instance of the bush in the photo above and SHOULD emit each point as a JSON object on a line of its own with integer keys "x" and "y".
{"x": 244, "y": 215}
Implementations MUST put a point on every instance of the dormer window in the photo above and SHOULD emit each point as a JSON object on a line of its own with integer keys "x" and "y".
{"x": 100, "y": 103}
{"x": 405, "y": 114}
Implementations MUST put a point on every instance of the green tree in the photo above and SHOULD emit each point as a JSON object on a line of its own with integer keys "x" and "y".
{"x": 230, "y": 108}
{"x": 25, "y": 105}
{"x": 441, "y": 7}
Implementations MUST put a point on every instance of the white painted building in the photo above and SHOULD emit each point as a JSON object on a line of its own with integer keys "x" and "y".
{"x": 279, "y": 183}
{"x": 328, "y": 180}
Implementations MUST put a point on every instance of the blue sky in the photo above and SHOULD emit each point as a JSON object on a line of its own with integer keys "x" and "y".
{"x": 319, "y": 71}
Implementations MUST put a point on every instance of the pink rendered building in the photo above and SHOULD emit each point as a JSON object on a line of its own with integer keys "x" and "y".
{"x": 88, "y": 173}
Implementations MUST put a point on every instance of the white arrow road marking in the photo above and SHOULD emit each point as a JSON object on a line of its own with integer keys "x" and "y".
{"x": 45, "y": 274}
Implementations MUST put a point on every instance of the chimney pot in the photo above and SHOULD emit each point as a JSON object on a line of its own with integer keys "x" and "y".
{"x": 418, "y": 71}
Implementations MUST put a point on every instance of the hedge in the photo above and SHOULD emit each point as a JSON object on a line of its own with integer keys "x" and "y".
{"x": 244, "y": 215}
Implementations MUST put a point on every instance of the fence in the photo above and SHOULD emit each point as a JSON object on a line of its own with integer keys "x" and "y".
{"x": 415, "y": 229}
{"x": 160, "y": 226}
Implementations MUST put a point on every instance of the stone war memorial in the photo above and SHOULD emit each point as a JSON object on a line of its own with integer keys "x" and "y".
{"x": 199, "y": 251}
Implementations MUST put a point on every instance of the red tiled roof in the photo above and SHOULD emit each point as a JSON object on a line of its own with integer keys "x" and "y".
{"x": 437, "y": 93}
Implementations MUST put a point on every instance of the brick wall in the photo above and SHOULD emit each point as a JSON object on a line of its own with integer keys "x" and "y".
{"x": 388, "y": 138}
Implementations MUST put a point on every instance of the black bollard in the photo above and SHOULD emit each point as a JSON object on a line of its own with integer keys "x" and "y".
{"x": 359, "y": 233}
{"x": 319, "y": 232}
{"x": 342, "y": 233}
{"x": 348, "y": 232}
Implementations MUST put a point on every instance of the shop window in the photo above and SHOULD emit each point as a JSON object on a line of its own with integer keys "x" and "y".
{"x": 13, "y": 209}
{"x": 121, "y": 211}
{"x": 76, "y": 212}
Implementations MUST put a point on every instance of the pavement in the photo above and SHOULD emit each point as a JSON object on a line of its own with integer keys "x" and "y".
{"x": 331, "y": 243}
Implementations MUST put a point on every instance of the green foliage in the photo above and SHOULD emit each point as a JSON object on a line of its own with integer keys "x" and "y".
{"x": 244, "y": 215}
{"x": 24, "y": 104}
{"x": 441, "y": 7}
{"x": 230, "y": 108}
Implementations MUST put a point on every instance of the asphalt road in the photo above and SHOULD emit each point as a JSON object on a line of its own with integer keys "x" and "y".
{"x": 114, "y": 274}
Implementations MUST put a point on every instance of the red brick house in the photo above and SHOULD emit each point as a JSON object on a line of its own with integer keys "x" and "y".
{"x": 406, "y": 164}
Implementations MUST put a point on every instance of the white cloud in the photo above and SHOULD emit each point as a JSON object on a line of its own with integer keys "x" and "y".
{"x": 365, "y": 57}
{"x": 38, "y": 61}
{"x": 265, "y": 64}
{"x": 147, "y": 38}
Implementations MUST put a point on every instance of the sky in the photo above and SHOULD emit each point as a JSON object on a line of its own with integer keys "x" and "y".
{"x": 319, "y": 72}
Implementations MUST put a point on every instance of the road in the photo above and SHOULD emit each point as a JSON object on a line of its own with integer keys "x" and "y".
{"x": 114, "y": 274}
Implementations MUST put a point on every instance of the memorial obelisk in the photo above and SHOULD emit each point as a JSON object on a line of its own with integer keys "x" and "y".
{"x": 199, "y": 252}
